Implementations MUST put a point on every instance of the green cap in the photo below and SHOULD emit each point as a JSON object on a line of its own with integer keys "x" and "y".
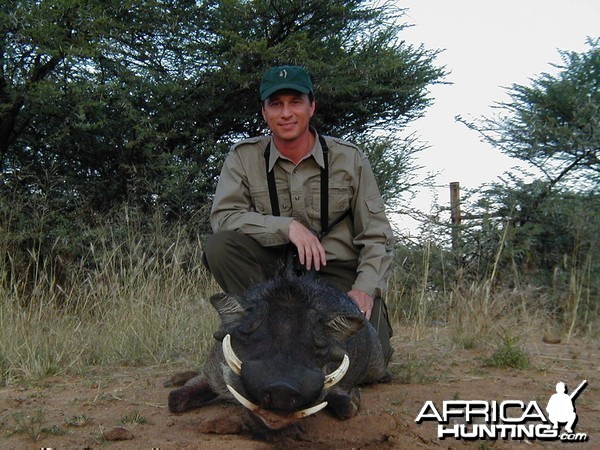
{"x": 285, "y": 77}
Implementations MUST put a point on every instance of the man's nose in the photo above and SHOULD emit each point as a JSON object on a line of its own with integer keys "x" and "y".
{"x": 286, "y": 111}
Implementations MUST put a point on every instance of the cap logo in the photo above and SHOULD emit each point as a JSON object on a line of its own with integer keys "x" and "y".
{"x": 283, "y": 74}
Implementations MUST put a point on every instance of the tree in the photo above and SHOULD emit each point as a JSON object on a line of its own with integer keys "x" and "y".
{"x": 77, "y": 85}
{"x": 138, "y": 101}
{"x": 554, "y": 123}
{"x": 368, "y": 82}
{"x": 545, "y": 232}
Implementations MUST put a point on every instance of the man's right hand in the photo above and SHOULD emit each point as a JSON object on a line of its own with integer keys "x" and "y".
{"x": 310, "y": 251}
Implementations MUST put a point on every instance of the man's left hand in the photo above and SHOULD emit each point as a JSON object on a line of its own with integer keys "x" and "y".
{"x": 363, "y": 300}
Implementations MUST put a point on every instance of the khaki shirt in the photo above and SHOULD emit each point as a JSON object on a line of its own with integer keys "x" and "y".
{"x": 242, "y": 204}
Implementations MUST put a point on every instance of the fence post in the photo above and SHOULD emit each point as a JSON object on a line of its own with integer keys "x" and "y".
{"x": 455, "y": 217}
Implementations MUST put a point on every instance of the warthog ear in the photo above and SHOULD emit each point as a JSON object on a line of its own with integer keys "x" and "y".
{"x": 345, "y": 326}
{"x": 228, "y": 307}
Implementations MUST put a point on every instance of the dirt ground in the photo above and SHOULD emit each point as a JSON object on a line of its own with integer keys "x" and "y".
{"x": 125, "y": 408}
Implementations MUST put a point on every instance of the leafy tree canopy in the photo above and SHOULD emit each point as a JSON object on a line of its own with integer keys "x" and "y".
{"x": 547, "y": 228}
{"x": 105, "y": 101}
{"x": 553, "y": 123}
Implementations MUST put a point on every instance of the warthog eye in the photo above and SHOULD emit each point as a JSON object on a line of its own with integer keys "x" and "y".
{"x": 320, "y": 340}
{"x": 253, "y": 317}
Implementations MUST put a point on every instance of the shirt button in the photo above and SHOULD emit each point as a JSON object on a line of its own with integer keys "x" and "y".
{"x": 297, "y": 197}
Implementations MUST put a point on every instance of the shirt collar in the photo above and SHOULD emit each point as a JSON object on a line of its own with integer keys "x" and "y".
{"x": 316, "y": 152}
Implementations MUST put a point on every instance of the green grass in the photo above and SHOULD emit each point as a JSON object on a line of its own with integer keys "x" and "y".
{"x": 79, "y": 420}
{"x": 134, "y": 418}
{"x": 509, "y": 354}
{"x": 30, "y": 424}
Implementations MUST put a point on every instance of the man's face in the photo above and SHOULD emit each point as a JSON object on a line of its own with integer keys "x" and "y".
{"x": 288, "y": 114}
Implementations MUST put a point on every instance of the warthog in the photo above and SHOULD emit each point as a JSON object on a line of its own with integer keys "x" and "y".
{"x": 289, "y": 347}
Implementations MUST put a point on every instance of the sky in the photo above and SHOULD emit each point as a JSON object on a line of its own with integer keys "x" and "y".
{"x": 487, "y": 46}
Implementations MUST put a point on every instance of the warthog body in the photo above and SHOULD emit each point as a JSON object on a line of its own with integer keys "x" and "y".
{"x": 292, "y": 337}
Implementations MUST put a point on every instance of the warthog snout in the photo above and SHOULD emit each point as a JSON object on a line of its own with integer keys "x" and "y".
{"x": 281, "y": 396}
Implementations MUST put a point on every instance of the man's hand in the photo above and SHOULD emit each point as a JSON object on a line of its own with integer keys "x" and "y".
{"x": 363, "y": 300}
{"x": 310, "y": 251}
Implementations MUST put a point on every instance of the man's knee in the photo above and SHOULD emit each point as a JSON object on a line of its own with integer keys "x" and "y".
{"x": 222, "y": 247}
{"x": 236, "y": 259}
{"x": 215, "y": 243}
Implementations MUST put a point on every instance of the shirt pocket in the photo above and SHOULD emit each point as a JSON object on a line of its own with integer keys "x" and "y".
{"x": 340, "y": 198}
{"x": 261, "y": 200}
{"x": 375, "y": 205}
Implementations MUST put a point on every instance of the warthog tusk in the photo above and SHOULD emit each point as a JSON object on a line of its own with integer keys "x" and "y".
{"x": 296, "y": 415}
{"x": 334, "y": 377}
{"x": 308, "y": 411}
{"x": 243, "y": 400}
{"x": 232, "y": 360}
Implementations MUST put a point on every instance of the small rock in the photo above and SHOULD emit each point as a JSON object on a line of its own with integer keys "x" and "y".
{"x": 221, "y": 425}
{"x": 551, "y": 339}
{"x": 118, "y": 434}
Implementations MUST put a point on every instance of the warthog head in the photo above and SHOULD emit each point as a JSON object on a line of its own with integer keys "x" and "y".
{"x": 285, "y": 343}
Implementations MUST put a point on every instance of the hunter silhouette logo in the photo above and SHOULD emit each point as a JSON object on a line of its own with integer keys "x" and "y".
{"x": 508, "y": 419}
{"x": 560, "y": 407}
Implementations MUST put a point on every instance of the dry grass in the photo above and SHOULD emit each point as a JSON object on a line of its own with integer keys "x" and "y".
{"x": 477, "y": 315}
{"x": 133, "y": 308}
{"x": 144, "y": 302}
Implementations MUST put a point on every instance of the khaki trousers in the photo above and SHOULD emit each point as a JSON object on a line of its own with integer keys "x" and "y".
{"x": 237, "y": 262}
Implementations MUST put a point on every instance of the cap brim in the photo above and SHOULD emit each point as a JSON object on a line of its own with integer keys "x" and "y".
{"x": 295, "y": 87}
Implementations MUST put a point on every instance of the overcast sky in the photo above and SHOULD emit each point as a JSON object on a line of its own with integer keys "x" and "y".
{"x": 487, "y": 45}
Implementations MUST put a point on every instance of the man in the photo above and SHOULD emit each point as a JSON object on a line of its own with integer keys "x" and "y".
{"x": 561, "y": 409}
{"x": 269, "y": 197}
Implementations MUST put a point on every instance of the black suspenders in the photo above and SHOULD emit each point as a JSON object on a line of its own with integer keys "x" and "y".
{"x": 324, "y": 188}
{"x": 325, "y": 226}
{"x": 271, "y": 183}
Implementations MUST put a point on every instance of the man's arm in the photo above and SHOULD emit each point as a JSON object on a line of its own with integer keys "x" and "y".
{"x": 373, "y": 233}
{"x": 233, "y": 208}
